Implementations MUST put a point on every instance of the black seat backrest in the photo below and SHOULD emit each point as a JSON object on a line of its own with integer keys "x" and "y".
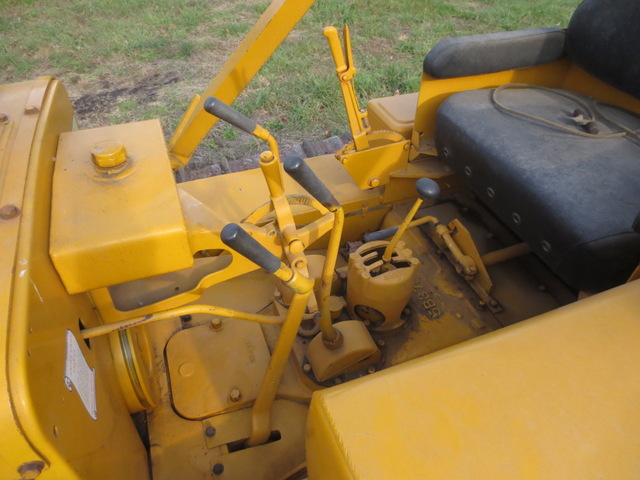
{"x": 604, "y": 39}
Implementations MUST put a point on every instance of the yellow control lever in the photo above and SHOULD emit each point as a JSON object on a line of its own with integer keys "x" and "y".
{"x": 346, "y": 71}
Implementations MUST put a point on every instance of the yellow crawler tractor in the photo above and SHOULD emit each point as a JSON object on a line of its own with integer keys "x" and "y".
{"x": 453, "y": 295}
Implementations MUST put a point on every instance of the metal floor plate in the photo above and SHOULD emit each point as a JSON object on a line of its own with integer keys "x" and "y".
{"x": 206, "y": 365}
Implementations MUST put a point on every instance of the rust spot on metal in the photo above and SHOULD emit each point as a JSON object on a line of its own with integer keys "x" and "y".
{"x": 9, "y": 212}
{"x": 30, "y": 469}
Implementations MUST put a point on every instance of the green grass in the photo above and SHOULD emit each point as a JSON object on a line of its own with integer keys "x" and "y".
{"x": 177, "y": 46}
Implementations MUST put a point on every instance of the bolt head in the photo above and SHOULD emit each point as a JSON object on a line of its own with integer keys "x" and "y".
{"x": 210, "y": 431}
{"x": 4, "y": 118}
{"x": 108, "y": 154}
{"x": 235, "y": 395}
{"x": 218, "y": 469}
{"x": 186, "y": 369}
{"x": 374, "y": 182}
{"x": 216, "y": 323}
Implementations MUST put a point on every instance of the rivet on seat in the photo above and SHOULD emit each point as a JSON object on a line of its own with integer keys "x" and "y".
{"x": 490, "y": 192}
{"x": 467, "y": 171}
{"x": 516, "y": 218}
{"x": 446, "y": 152}
{"x": 545, "y": 246}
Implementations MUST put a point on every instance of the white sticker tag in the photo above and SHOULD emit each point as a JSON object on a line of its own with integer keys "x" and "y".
{"x": 78, "y": 374}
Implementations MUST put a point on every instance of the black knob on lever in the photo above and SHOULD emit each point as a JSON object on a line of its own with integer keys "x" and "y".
{"x": 298, "y": 169}
{"x": 233, "y": 236}
{"x": 427, "y": 189}
{"x": 230, "y": 115}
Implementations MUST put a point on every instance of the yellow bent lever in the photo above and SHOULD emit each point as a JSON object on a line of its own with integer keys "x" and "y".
{"x": 236, "y": 238}
{"x": 346, "y": 71}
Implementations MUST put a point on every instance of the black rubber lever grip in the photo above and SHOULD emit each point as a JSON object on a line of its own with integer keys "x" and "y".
{"x": 298, "y": 169}
{"x": 230, "y": 115}
{"x": 427, "y": 189}
{"x": 379, "y": 235}
{"x": 233, "y": 236}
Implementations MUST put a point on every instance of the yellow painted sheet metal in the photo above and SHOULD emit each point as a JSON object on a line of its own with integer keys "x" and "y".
{"x": 16, "y": 136}
{"x": 207, "y": 364}
{"x": 113, "y": 226}
{"x": 45, "y": 422}
{"x": 552, "y": 397}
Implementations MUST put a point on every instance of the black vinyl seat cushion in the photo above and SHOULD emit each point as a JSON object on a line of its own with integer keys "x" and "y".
{"x": 573, "y": 199}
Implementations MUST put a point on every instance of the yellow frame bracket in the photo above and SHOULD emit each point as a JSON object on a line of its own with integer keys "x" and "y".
{"x": 373, "y": 167}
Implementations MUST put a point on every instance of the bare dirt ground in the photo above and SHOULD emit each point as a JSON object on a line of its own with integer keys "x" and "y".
{"x": 90, "y": 107}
